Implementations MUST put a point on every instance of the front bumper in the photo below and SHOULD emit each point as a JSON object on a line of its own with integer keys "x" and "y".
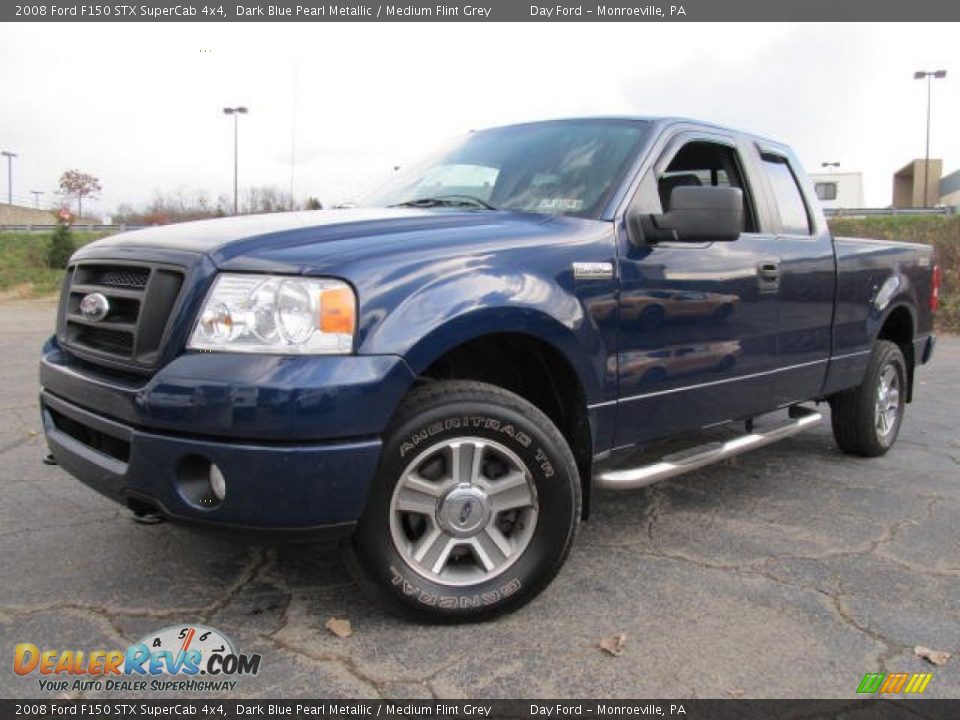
{"x": 296, "y": 439}
{"x": 295, "y": 489}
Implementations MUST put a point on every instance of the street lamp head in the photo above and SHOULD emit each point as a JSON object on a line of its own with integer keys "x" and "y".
{"x": 231, "y": 110}
{"x": 228, "y": 111}
{"x": 8, "y": 154}
{"x": 918, "y": 75}
{"x": 940, "y": 74}
{"x": 242, "y": 110}
{"x": 921, "y": 74}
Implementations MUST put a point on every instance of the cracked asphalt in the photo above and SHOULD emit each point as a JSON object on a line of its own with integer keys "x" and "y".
{"x": 790, "y": 573}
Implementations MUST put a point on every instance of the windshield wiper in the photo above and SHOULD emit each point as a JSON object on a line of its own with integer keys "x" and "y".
{"x": 447, "y": 201}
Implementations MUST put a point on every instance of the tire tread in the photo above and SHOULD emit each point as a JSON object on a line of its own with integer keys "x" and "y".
{"x": 852, "y": 411}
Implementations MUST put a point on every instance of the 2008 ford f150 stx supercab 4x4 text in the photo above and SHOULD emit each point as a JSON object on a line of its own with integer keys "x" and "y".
{"x": 442, "y": 375}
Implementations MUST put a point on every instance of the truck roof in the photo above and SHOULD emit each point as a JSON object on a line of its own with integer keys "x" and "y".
{"x": 660, "y": 121}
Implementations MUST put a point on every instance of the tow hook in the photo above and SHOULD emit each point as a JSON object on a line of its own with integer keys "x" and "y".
{"x": 49, "y": 459}
{"x": 147, "y": 518}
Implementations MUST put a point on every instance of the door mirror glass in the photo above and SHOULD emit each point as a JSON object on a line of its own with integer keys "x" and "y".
{"x": 702, "y": 214}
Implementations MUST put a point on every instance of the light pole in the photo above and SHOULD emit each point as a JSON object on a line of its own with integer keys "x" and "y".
{"x": 929, "y": 75}
{"x": 9, "y": 156}
{"x": 236, "y": 112}
{"x": 831, "y": 165}
{"x": 36, "y": 198}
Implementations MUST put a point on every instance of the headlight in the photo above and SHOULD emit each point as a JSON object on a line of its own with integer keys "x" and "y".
{"x": 276, "y": 314}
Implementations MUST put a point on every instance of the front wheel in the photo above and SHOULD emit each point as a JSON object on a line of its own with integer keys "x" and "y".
{"x": 474, "y": 508}
{"x": 866, "y": 420}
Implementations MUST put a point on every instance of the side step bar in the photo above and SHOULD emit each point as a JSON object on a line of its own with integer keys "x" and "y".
{"x": 694, "y": 458}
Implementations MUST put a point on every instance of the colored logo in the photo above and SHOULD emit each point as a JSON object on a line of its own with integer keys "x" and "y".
{"x": 893, "y": 683}
{"x": 183, "y": 651}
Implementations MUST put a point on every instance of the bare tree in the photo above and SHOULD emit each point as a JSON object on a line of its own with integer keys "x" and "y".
{"x": 179, "y": 206}
{"x": 266, "y": 199}
{"x": 183, "y": 205}
{"x": 79, "y": 185}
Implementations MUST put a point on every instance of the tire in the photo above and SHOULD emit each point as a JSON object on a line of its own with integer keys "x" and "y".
{"x": 866, "y": 420}
{"x": 432, "y": 547}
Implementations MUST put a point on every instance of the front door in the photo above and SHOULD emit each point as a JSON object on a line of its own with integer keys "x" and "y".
{"x": 698, "y": 321}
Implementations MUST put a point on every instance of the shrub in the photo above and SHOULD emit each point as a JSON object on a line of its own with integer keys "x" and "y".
{"x": 61, "y": 246}
{"x": 942, "y": 232}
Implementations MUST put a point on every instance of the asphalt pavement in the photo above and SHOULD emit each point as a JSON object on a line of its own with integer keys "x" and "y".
{"x": 789, "y": 573}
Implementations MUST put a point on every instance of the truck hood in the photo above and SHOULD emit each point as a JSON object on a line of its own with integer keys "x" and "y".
{"x": 297, "y": 241}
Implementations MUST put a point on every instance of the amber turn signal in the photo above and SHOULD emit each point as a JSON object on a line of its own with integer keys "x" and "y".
{"x": 337, "y": 311}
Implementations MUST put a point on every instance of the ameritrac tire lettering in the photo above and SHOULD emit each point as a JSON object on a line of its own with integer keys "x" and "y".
{"x": 454, "y": 601}
{"x": 474, "y": 422}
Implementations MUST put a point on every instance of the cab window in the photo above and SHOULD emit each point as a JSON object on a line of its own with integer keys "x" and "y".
{"x": 705, "y": 163}
{"x": 794, "y": 218}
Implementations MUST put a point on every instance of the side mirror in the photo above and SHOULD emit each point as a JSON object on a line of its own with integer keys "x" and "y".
{"x": 702, "y": 214}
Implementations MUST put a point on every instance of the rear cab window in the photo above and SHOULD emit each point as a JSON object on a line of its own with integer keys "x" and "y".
{"x": 794, "y": 215}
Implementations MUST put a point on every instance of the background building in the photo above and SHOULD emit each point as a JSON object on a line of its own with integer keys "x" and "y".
{"x": 950, "y": 189}
{"x": 908, "y": 184}
{"x": 839, "y": 190}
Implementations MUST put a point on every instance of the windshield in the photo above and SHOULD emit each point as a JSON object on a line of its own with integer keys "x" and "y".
{"x": 562, "y": 167}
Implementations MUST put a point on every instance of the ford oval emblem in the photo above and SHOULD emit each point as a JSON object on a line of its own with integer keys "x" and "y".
{"x": 94, "y": 307}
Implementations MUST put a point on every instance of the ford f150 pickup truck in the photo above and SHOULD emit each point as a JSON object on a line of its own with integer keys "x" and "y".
{"x": 441, "y": 376}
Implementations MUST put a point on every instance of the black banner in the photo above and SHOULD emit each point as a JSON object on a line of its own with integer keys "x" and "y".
{"x": 470, "y": 709}
{"x": 479, "y": 11}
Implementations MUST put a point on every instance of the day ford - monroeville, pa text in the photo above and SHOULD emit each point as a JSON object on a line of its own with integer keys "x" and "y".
{"x": 439, "y": 377}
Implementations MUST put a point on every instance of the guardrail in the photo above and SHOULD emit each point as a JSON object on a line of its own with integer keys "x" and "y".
{"x": 82, "y": 227}
{"x": 861, "y": 212}
{"x": 829, "y": 212}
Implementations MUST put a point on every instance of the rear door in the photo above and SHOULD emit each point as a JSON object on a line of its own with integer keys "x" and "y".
{"x": 698, "y": 321}
{"x": 807, "y": 276}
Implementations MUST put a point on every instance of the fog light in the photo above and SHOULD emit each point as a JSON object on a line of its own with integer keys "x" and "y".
{"x": 218, "y": 483}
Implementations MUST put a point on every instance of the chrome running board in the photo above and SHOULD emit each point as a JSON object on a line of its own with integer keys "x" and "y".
{"x": 697, "y": 457}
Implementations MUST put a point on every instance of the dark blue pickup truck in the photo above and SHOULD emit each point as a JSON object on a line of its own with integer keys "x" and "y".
{"x": 441, "y": 376}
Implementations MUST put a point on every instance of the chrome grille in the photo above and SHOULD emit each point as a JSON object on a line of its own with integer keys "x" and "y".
{"x": 141, "y": 297}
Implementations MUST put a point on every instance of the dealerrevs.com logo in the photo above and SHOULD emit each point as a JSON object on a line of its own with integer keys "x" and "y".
{"x": 180, "y": 658}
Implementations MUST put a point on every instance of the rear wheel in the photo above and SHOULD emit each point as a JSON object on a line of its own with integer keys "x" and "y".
{"x": 474, "y": 508}
{"x": 866, "y": 420}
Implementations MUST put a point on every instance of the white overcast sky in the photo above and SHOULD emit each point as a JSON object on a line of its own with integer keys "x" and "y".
{"x": 139, "y": 105}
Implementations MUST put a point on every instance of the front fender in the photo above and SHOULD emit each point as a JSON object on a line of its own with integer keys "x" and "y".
{"x": 462, "y": 307}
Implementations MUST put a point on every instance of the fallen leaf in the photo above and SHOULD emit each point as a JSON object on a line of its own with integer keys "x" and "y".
{"x": 339, "y": 627}
{"x": 613, "y": 644}
{"x": 736, "y": 692}
{"x": 937, "y": 657}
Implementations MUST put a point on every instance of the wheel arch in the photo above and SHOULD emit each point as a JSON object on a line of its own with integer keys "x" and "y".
{"x": 898, "y": 326}
{"x": 534, "y": 367}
